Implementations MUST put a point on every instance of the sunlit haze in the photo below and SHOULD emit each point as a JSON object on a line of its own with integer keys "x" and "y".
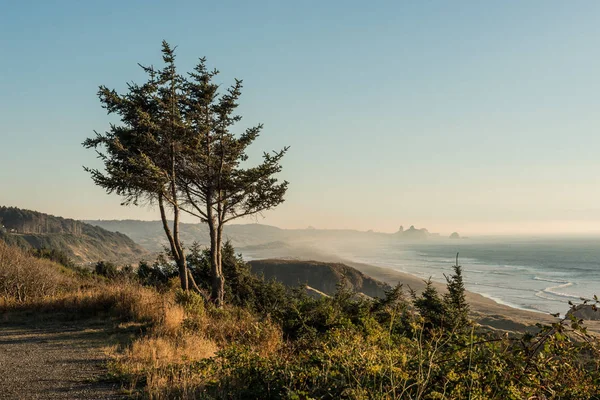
{"x": 477, "y": 117}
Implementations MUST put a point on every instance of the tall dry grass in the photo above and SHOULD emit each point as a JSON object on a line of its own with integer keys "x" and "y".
{"x": 25, "y": 278}
{"x": 29, "y": 283}
{"x": 165, "y": 359}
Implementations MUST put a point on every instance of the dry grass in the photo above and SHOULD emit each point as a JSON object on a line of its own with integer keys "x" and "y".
{"x": 236, "y": 325}
{"x": 123, "y": 300}
{"x": 163, "y": 359}
{"x": 162, "y": 363}
{"x": 160, "y": 351}
{"x": 24, "y": 278}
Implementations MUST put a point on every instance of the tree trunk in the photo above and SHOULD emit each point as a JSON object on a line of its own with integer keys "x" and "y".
{"x": 183, "y": 276}
{"x": 218, "y": 281}
{"x": 221, "y": 297}
{"x": 175, "y": 244}
{"x": 180, "y": 259}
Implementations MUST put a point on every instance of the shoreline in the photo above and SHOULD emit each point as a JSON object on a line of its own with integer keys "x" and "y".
{"x": 485, "y": 310}
{"x": 510, "y": 305}
{"x": 488, "y": 312}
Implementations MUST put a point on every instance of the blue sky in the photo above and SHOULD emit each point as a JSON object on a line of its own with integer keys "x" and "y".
{"x": 474, "y": 116}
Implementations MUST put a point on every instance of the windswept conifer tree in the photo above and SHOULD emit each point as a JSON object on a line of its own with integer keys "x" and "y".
{"x": 176, "y": 148}
{"x": 142, "y": 155}
{"x": 217, "y": 187}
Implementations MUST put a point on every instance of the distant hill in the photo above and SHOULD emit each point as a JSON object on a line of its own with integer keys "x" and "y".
{"x": 151, "y": 235}
{"x": 321, "y": 276}
{"x": 80, "y": 241}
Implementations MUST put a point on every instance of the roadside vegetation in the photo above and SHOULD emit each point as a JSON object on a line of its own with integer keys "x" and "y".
{"x": 273, "y": 342}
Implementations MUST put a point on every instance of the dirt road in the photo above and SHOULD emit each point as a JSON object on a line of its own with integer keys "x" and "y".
{"x": 51, "y": 360}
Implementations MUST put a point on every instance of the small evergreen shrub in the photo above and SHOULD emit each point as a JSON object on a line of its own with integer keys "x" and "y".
{"x": 106, "y": 269}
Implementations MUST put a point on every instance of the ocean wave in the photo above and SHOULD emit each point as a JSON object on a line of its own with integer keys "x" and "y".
{"x": 512, "y": 305}
{"x": 552, "y": 290}
{"x": 498, "y": 286}
{"x": 499, "y": 273}
{"x": 541, "y": 295}
{"x": 537, "y": 278}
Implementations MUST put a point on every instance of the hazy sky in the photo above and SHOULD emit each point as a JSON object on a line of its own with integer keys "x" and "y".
{"x": 454, "y": 115}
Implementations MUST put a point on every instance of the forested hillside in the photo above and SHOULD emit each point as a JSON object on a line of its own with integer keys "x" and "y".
{"x": 80, "y": 241}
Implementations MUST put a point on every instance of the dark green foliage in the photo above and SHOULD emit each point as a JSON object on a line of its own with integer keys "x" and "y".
{"x": 106, "y": 269}
{"x": 55, "y": 255}
{"x": 450, "y": 311}
{"x": 157, "y": 274}
{"x": 190, "y": 301}
{"x": 431, "y": 307}
{"x": 457, "y": 308}
{"x": 308, "y": 318}
{"x": 394, "y": 310}
{"x": 242, "y": 287}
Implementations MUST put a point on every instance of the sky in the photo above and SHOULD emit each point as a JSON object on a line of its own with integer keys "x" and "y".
{"x": 469, "y": 116}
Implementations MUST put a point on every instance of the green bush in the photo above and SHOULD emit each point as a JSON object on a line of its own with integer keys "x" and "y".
{"x": 242, "y": 287}
{"x": 106, "y": 269}
{"x": 192, "y": 302}
{"x": 158, "y": 274}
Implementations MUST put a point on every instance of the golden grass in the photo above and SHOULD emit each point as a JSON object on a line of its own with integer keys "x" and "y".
{"x": 163, "y": 359}
{"x": 24, "y": 278}
{"x": 160, "y": 351}
{"x": 173, "y": 316}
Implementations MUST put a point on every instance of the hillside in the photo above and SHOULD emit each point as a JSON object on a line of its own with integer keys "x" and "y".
{"x": 150, "y": 234}
{"x": 318, "y": 275}
{"x": 80, "y": 241}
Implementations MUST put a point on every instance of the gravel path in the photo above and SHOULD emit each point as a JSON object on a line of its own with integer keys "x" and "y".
{"x": 50, "y": 360}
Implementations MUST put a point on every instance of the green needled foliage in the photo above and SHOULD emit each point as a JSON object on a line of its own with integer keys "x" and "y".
{"x": 431, "y": 307}
{"x": 455, "y": 299}
{"x": 217, "y": 187}
{"x": 142, "y": 155}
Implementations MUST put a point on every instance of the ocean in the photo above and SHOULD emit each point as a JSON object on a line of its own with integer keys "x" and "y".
{"x": 537, "y": 274}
